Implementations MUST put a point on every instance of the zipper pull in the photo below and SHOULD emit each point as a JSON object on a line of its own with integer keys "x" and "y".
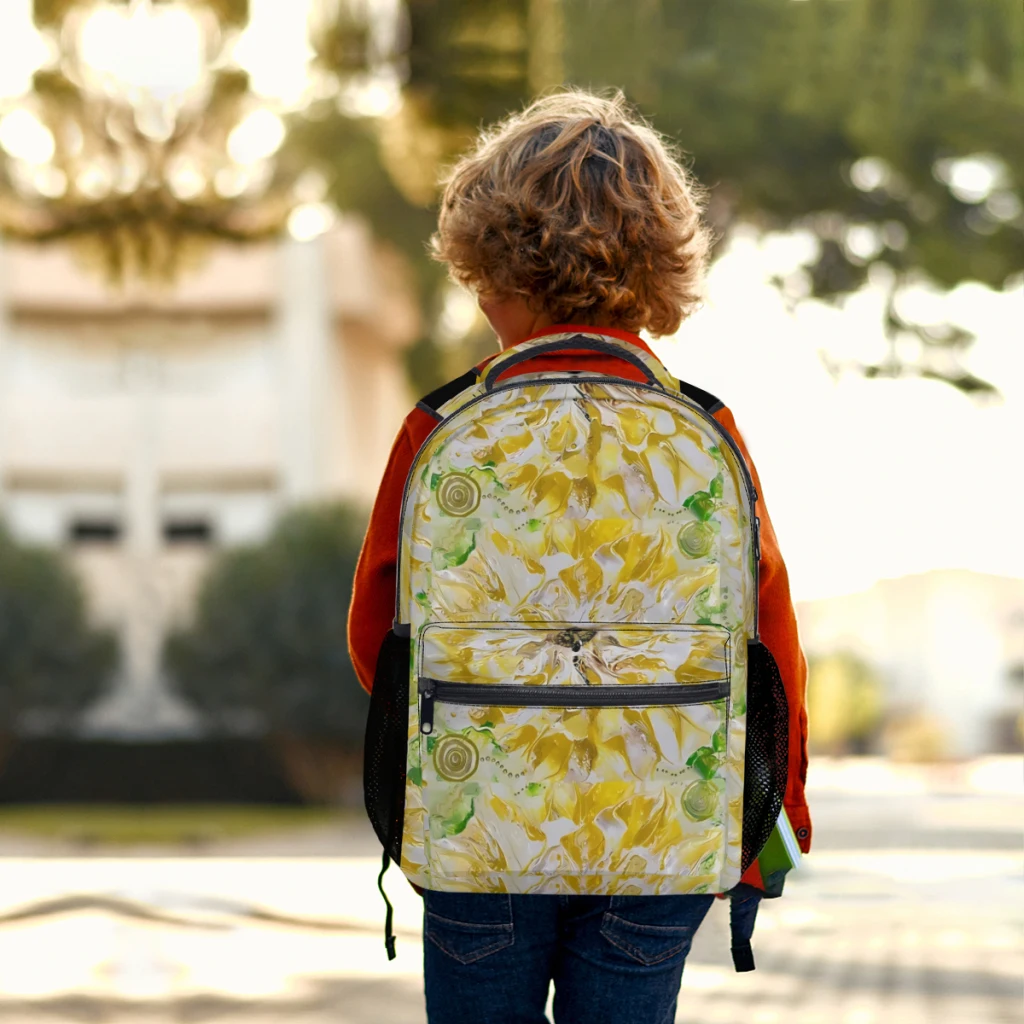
{"x": 426, "y": 687}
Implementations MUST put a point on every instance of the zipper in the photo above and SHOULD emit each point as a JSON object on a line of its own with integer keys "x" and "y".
{"x": 756, "y": 523}
{"x": 519, "y": 696}
{"x": 716, "y": 427}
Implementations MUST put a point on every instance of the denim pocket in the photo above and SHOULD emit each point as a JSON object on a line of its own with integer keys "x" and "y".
{"x": 647, "y": 944}
{"x": 468, "y": 926}
{"x": 648, "y": 929}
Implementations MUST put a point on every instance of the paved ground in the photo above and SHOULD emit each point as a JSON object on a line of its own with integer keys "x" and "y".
{"x": 909, "y": 912}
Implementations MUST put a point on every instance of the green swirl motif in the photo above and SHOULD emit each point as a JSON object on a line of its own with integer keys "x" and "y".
{"x": 458, "y": 494}
{"x": 696, "y": 539}
{"x": 700, "y": 800}
{"x": 455, "y": 758}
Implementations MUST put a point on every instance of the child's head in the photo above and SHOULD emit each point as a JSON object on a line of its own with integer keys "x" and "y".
{"x": 580, "y": 210}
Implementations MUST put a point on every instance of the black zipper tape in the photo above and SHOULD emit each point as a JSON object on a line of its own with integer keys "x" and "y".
{"x": 499, "y": 695}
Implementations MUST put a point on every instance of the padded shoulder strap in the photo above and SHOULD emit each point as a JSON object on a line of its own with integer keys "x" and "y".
{"x": 704, "y": 399}
{"x": 445, "y": 393}
{"x": 595, "y": 341}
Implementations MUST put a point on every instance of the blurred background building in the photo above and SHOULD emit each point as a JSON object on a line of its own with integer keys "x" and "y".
{"x": 946, "y": 649}
{"x": 144, "y": 429}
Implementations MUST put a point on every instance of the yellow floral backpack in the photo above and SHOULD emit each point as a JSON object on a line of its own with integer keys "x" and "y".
{"x": 573, "y": 698}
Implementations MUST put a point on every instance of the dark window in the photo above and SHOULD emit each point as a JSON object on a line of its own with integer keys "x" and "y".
{"x": 188, "y": 531}
{"x": 94, "y": 530}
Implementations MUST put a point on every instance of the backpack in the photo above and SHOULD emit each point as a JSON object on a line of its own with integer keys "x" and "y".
{"x": 573, "y": 698}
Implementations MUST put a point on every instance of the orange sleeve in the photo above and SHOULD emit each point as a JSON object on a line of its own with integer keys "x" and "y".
{"x": 779, "y": 634}
{"x": 373, "y": 591}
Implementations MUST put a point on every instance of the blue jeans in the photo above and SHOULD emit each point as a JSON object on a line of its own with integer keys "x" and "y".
{"x": 614, "y": 959}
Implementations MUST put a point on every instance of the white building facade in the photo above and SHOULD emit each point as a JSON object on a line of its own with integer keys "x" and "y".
{"x": 141, "y": 431}
{"x": 949, "y": 643}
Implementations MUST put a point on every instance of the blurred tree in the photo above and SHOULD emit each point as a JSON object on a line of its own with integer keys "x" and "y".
{"x": 468, "y": 63}
{"x": 266, "y": 648}
{"x": 52, "y": 663}
{"x": 844, "y": 702}
{"x": 892, "y": 130}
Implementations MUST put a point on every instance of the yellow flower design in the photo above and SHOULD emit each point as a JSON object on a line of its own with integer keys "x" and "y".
{"x": 595, "y": 537}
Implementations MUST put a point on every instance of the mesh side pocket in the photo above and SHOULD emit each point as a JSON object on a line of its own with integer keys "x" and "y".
{"x": 385, "y": 749}
{"x": 767, "y": 758}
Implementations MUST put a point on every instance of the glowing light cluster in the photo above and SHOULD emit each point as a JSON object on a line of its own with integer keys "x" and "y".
{"x": 156, "y": 52}
{"x": 158, "y": 116}
{"x": 24, "y": 137}
{"x": 23, "y": 51}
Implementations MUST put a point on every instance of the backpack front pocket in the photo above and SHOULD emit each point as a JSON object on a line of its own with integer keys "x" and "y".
{"x": 519, "y": 696}
{"x": 575, "y": 758}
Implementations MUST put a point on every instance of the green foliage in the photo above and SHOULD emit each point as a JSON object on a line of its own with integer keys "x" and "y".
{"x": 52, "y": 663}
{"x": 269, "y": 633}
{"x": 777, "y": 101}
{"x": 359, "y": 182}
{"x": 828, "y": 115}
{"x": 783, "y": 103}
{"x": 844, "y": 703}
{"x": 469, "y": 59}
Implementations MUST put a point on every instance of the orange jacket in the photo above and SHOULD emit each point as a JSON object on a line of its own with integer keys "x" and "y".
{"x": 373, "y": 594}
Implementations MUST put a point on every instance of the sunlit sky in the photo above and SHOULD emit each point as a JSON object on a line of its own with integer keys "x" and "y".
{"x": 864, "y": 479}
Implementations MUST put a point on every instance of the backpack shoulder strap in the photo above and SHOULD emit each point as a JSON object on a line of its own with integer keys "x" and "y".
{"x": 707, "y": 401}
{"x": 742, "y": 912}
{"x": 445, "y": 393}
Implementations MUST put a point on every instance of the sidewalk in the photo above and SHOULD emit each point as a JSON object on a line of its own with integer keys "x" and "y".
{"x": 915, "y": 920}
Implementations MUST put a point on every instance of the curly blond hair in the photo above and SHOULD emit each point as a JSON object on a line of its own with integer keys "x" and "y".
{"x": 577, "y": 205}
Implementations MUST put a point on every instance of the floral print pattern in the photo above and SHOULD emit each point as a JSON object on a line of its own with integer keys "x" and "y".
{"x": 587, "y": 533}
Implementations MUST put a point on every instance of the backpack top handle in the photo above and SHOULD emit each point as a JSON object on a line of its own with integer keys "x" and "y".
{"x": 528, "y": 350}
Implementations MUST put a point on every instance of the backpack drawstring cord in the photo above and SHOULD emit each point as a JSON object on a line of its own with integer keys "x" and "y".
{"x": 389, "y": 935}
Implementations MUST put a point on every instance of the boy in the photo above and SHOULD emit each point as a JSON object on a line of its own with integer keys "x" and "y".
{"x": 572, "y": 216}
